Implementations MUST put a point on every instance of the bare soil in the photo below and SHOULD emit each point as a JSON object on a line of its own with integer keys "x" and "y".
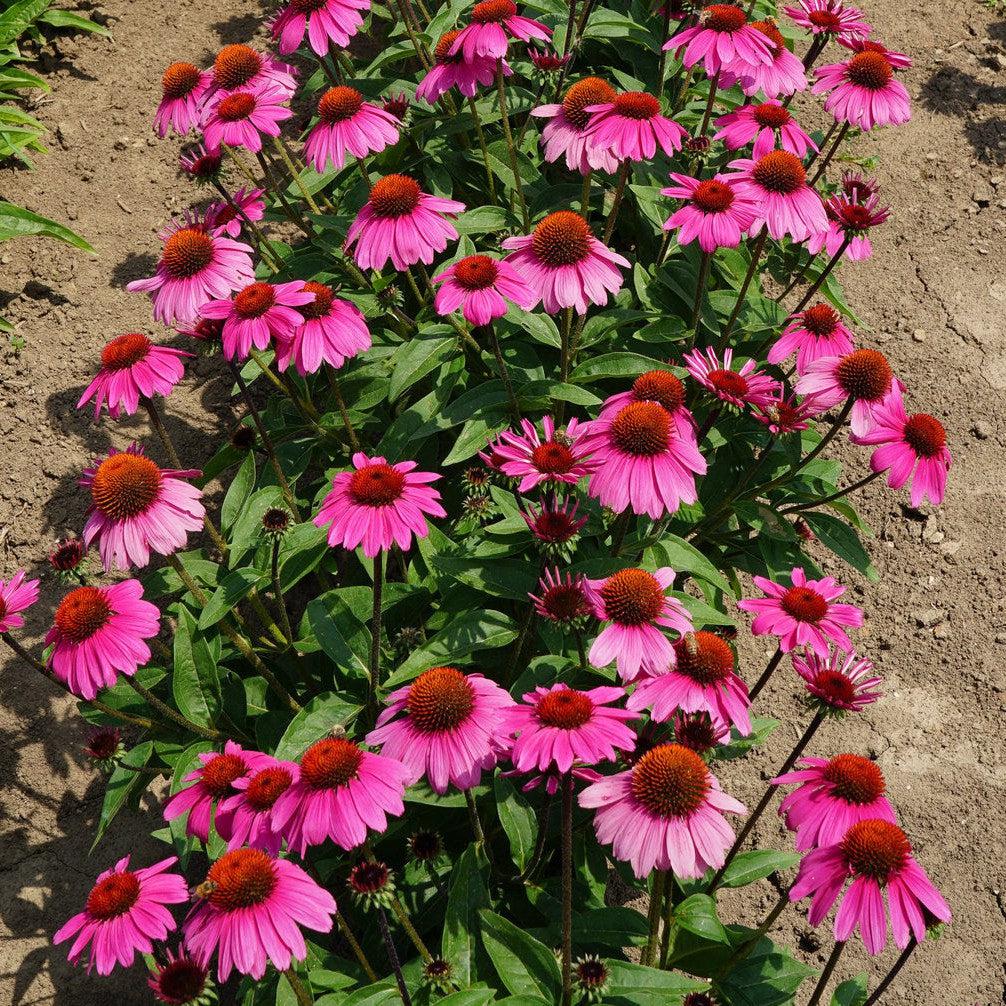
{"x": 933, "y": 299}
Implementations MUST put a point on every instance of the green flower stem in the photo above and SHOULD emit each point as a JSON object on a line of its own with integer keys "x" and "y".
{"x": 375, "y": 630}
{"x": 354, "y": 944}
{"x": 508, "y": 136}
{"x": 295, "y": 172}
{"x": 136, "y": 721}
{"x": 265, "y": 249}
{"x": 421, "y": 51}
{"x": 332, "y": 74}
{"x": 766, "y": 674}
{"x": 619, "y": 529}
{"x": 756, "y": 251}
{"x": 300, "y": 990}
{"x": 277, "y": 590}
{"x": 581, "y": 650}
{"x": 826, "y": 973}
{"x": 662, "y": 65}
{"x": 649, "y": 954}
{"x": 503, "y": 372}
{"x": 616, "y": 203}
{"x": 406, "y": 923}
{"x": 700, "y": 289}
{"x": 585, "y": 195}
{"x": 288, "y": 494}
{"x": 236, "y": 638}
{"x": 681, "y": 94}
{"x": 825, "y": 273}
{"x": 389, "y": 947}
{"x": 474, "y": 819}
{"x": 276, "y": 188}
{"x": 766, "y": 799}
{"x": 340, "y": 401}
{"x": 490, "y": 179}
{"x": 567, "y": 884}
{"x": 848, "y": 490}
{"x": 892, "y": 974}
{"x": 815, "y": 154}
{"x": 714, "y": 84}
{"x": 832, "y": 150}
{"x": 172, "y": 714}
{"x": 744, "y": 949}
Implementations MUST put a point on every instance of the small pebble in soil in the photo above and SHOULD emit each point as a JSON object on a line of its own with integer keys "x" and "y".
{"x": 929, "y": 618}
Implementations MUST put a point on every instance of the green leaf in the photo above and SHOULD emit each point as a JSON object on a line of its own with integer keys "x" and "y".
{"x": 481, "y": 996}
{"x": 761, "y": 729}
{"x": 614, "y": 928}
{"x": 614, "y": 365}
{"x": 16, "y": 221}
{"x": 683, "y": 557}
{"x": 481, "y": 220}
{"x": 468, "y": 633}
{"x": 498, "y": 577}
{"x": 467, "y": 895}
{"x": 519, "y": 820}
{"x": 639, "y": 985}
{"x": 247, "y": 530}
{"x": 525, "y": 966}
{"x": 419, "y": 356}
{"x": 122, "y": 784}
{"x": 238, "y": 492}
{"x": 234, "y": 586}
{"x": 314, "y": 721}
{"x": 195, "y": 680}
{"x": 697, "y": 915}
{"x": 769, "y": 976}
{"x": 852, "y": 992}
{"x": 320, "y": 617}
{"x": 67, "y": 19}
{"x": 17, "y": 17}
{"x": 748, "y": 867}
{"x": 842, "y": 540}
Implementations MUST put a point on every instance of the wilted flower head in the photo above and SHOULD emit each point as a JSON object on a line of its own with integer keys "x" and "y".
{"x": 371, "y": 884}
{"x": 837, "y": 682}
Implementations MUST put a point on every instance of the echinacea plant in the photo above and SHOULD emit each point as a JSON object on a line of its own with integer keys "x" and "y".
{"x": 522, "y": 431}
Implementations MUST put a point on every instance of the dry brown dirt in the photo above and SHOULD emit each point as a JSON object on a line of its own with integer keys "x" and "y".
{"x": 933, "y": 299}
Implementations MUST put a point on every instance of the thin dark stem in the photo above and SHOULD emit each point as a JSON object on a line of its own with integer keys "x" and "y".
{"x": 508, "y": 136}
{"x": 848, "y": 490}
{"x": 490, "y": 179}
{"x": 815, "y": 154}
{"x": 766, "y": 674}
{"x": 826, "y": 973}
{"x": 713, "y": 85}
{"x": 570, "y": 20}
{"x": 300, "y": 990}
{"x": 653, "y": 917}
{"x": 797, "y": 279}
{"x": 742, "y": 293}
{"x": 504, "y": 373}
{"x": 389, "y": 946}
{"x": 474, "y": 819}
{"x": 825, "y": 273}
{"x": 171, "y": 714}
{"x": 831, "y": 153}
{"x": 277, "y": 589}
{"x": 276, "y": 188}
{"x": 662, "y": 64}
{"x": 893, "y": 973}
{"x": 744, "y": 950}
{"x": 585, "y": 195}
{"x": 616, "y": 204}
{"x": 707, "y": 425}
{"x": 375, "y": 627}
{"x": 581, "y": 650}
{"x": 340, "y": 402}
{"x": 619, "y": 529}
{"x": 815, "y": 50}
{"x": 766, "y": 799}
{"x": 567, "y": 888}
{"x": 539, "y": 846}
{"x": 700, "y": 289}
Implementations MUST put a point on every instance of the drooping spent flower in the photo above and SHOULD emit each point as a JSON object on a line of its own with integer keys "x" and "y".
{"x": 481, "y": 286}
{"x": 377, "y": 504}
{"x": 493, "y": 24}
{"x": 446, "y": 725}
{"x": 334, "y": 330}
{"x": 183, "y": 88}
{"x": 565, "y": 133}
{"x": 632, "y": 127}
{"x": 348, "y": 125}
{"x": 812, "y": 334}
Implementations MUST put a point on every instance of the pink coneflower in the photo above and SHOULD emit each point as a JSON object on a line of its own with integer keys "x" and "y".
{"x": 660, "y": 386}
{"x": 909, "y": 444}
{"x": 637, "y": 609}
{"x": 325, "y": 22}
{"x": 876, "y": 855}
{"x": 240, "y": 67}
{"x": 560, "y": 457}
{"x": 245, "y": 816}
{"x": 251, "y": 912}
{"x": 631, "y": 127}
{"x": 378, "y": 504}
{"x": 665, "y": 813}
{"x": 183, "y": 88}
{"x": 864, "y": 376}
{"x": 864, "y": 91}
{"x": 714, "y": 211}
{"x": 722, "y": 36}
{"x": 701, "y": 678}
{"x": 451, "y": 729}
{"x": 341, "y": 791}
{"x": 132, "y": 367}
{"x": 899, "y": 60}
{"x": 453, "y": 70}
{"x": 195, "y": 267}
{"x": 646, "y": 457}
{"x": 16, "y": 595}
{"x": 565, "y": 133}
{"x": 179, "y": 981}
{"x": 240, "y": 118}
{"x": 739, "y": 387}
{"x": 832, "y": 796}
{"x": 125, "y": 912}
{"x": 777, "y": 182}
{"x": 98, "y": 633}
{"x": 493, "y": 24}
{"x": 333, "y": 331}
{"x": 558, "y": 726}
{"x": 201, "y": 164}
{"x": 212, "y": 782}
{"x": 839, "y": 682}
{"x": 547, "y": 60}
{"x": 787, "y": 414}
{"x": 348, "y": 124}
{"x": 565, "y": 264}
{"x": 554, "y": 523}
{"x": 224, "y": 217}
{"x": 562, "y": 597}
{"x": 763, "y": 124}
{"x": 784, "y": 75}
{"x": 829, "y": 17}
{"x": 699, "y": 732}
{"x": 812, "y": 334}
{"x": 803, "y": 614}
{"x": 258, "y": 314}
{"x": 850, "y": 218}
{"x": 402, "y": 223}
{"x": 138, "y": 507}
{"x": 481, "y": 287}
